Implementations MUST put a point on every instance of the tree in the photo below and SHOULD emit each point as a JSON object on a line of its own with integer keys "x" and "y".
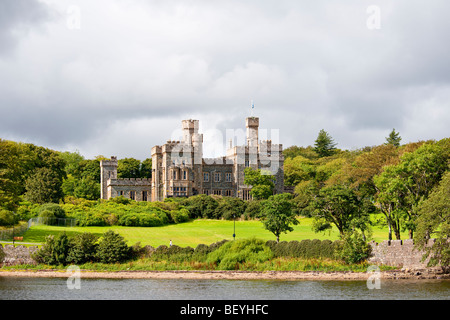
{"x": 10, "y": 175}
{"x": 87, "y": 188}
{"x": 72, "y": 161}
{"x": 434, "y": 222}
{"x": 230, "y": 207}
{"x": 83, "y": 248}
{"x": 324, "y": 145}
{"x": 402, "y": 187}
{"x": 146, "y": 168}
{"x": 128, "y": 168}
{"x": 261, "y": 182}
{"x": 298, "y": 169}
{"x": 337, "y": 205}
{"x": 44, "y": 186}
{"x": 54, "y": 251}
{"x": 112, "y": 248}
{"x": 277, "y": 214}
{"x": 394, "y": 138}
{"x": 201, "y": 206}
{"x": 88, "y": 168}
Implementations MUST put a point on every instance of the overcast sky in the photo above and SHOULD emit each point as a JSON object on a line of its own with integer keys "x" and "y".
{"x": 116, "y": 77}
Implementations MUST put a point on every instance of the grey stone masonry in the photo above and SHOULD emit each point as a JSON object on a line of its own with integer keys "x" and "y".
{"x": 15, "y": 255}
{"x": 398, "y": 253}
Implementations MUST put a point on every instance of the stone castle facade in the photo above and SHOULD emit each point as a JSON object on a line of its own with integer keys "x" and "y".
{"x": 179, "y": 169}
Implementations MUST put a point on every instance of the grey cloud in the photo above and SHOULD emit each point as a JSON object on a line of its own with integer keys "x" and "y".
{"x": 307, "y": 65}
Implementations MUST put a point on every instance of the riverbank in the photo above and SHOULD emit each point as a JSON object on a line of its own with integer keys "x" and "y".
{"x": 231, "y": 275}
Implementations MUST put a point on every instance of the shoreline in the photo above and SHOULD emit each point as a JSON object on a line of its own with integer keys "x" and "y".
{"x": 228, "y": 275}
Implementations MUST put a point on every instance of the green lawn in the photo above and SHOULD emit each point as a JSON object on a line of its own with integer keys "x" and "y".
{"x": 195, "y": 232}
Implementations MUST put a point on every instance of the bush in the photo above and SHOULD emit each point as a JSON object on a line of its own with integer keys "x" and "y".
{"x": 230, "y": 255}
{"x": 201, "y": 206}
{"x": 83, "y": 248}
{"x": 54, "y": 251}
{"x": 112, "y": 248}
{"x": 354, "y": 249}
{"x": 6, "y": 218}
{"x": 178, "y": 216}
{"x": 50, "y": 213}
{"x": 304, "y": 249}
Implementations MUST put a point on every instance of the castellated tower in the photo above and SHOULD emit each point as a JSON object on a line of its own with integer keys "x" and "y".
{"x": 108, "y": 170}
{"x": 252, "y": 124}
{"x": 193, "y": 140}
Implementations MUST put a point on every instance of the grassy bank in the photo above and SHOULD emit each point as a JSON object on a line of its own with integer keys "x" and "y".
{"x": 194, "y": 232}
{"x": 277, "y": 264}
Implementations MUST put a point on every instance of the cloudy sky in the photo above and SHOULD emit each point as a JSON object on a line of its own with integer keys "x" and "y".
{"x": 116, "y": 77}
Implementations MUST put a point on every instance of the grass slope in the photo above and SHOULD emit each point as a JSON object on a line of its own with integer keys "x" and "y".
{"x": 195, "y": 232}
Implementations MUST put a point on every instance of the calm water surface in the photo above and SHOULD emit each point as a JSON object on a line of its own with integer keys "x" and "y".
{"x": 151, "y": 289}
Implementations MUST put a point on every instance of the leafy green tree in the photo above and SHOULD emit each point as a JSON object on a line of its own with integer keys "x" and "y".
{"x": 10, "y": 175}
{"x": 324, "y": 145}
{"x": 336, "y": 205}
{"x": 261, "y": 182}
{"x": 298, "y": 169}
{"x": 72, "y": 161}
{"x": 295, "y": 151}
{"x": 434, "y": 222}
{"x": 402, "y": 187}
{"x": 88, "y": 168}
{"x": 129, "y": 168}
{"x": 201, "y": 206}
{"x": 87, "y": 188}
{"x": 277, "y": 215}
{"x": 112, "y": 248}
{"x": 44, "y": 186}
{"x": 230, "y": 207}
{"x": 6, "y": 218}
{"x": 394, "y": 138}
{"x": 146, "y": 168}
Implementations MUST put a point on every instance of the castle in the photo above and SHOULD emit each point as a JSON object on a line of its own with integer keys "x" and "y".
{"x": 179, "y": 169}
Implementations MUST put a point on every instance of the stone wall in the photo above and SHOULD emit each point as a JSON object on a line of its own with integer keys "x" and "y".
{"x": 14, "y": 255}
{"x": 398, "y": 253}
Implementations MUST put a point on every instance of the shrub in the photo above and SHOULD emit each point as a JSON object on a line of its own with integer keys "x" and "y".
{"x": 54, "y": 251}
{"x": 83, "y": 248}
{"x": 230, "y": 255}
{"x": 120, "y": 200}
{"x": 181, "y": 215}
{"x": 50, "y": 213}
{"x": 303, "y": 249}
{"x": 112, "y": 248}
{"x": 353, "y": 248}
{"x": 201, "y": 206}
{"x": 6, "y": 217}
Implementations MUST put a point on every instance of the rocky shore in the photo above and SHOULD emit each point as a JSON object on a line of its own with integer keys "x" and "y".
{"x": 232, "y": 275}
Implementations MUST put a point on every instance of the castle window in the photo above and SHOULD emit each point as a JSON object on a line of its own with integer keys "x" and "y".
{"x": 228, "y": 193}
{"x": 133, "y": 195}
{"x": 205, "y": 176}
{"x": 206, "y": 191}
{"x": 184, "y": 174}
{"x": 217, "y": 192}
{"x": 216, "y": 177}
{"x": 228, "y": 177}
{"x": 247, "y": 164}
{"x": 120, "y": 193}
{"x": 174, "y": 175}
{"x": 144, "y": 196}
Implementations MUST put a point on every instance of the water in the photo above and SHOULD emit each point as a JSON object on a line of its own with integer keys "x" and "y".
{"x": 12, "y": 288}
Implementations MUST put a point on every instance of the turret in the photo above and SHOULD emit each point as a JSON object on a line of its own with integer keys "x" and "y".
{"x": 108, "y": 170}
